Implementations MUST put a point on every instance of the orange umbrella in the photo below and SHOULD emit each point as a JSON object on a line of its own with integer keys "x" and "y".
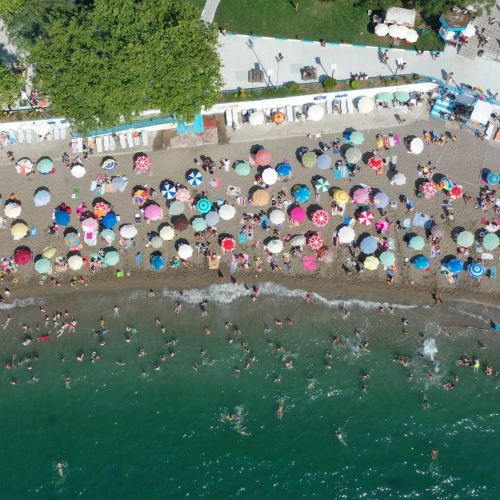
{"x": 279, "y": 118}
{"x": 261, "y": 198}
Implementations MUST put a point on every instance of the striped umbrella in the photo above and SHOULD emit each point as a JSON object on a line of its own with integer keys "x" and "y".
{"x": 321, "y": 185}
{"x": 142, "y": 164}
{"x": 320, "y": 218}
{"x": 315, "y": 241}
{"x": 203, "y": 205}
{"x": 476, "y": 270}
{"x": 365, "y": 218}
{"x": 194, "y": 177}
{"x": 429, "y": 189}
{"x": 168, "y": 190}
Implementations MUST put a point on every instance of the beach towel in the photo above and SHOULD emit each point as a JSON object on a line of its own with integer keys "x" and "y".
{"x": 234, "y": 265}
{"x": 75, "y": 193}
{"x": 213, "y": 262}
{"x": 309, "y": 263}
{"x": 34, "y": 232}
{"x": 243, "y": 236}
{"x": 341, "y": 173}
{"x": 493, "y": 273}
{"x": 138, "y": 258}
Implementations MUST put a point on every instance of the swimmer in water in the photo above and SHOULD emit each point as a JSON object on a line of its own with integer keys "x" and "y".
{"x": 178, "y": 308}
{"x": 435, "y": 454}
{"x": 339, "y": 433}
{"x": 345, "y": 312}
{"x": 279, "y": 410}
{"x": 425, "y": 403}
{"x": 60, "y": 469}
{"x": 67, "y": 381}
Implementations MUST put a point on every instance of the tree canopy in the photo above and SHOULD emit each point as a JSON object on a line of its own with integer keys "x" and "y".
{"x": 107, "y": 60}
{"x": 10, "y": 84}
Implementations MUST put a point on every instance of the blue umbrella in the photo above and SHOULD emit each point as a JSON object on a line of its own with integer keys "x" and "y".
{"x": 62, "y": 217}
{"x": 168, "y": 190}
{"x": 212, "y": 218}
{"x": 42, "y": 197}
{"x": 284, "y": 169}
{"x": 324, "y": 162}
{"x": 194, "y": 177}
{"x": 476, "y": 270}
{"x": 420, "y": 262}
{"x": 109, "y": 220}
{"x": 493, "y": 178}
{"x": 381, "y": 200}
{"x": 455, "y": 266}
{"x": 369, "y": 245}
{"x": 302, "y": 194}
{"x": 157, "y": 262}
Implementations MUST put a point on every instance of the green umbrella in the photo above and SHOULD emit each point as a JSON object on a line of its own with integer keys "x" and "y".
{"x": 416, "y": 242}
{"x": 309, "y": 159}
{"x": 243, "y": 169}
{"x": 357, "y": 138}
{"x": 108, "y": 235}
{"x": 386, "y": 97}
{"x": 321, "y": 185}
{"x": 387, "y": 258}
{"x": 44, "y": 166}
{"x": 42, "y": 266}
{"x": 199, "y": 224}
{"x": 465, "y": 239}
{"x": 203, "y": 205}
{"x": 491, "y": 241}
{"x": 402, "y": 96}
{"x": 111, "y": 258}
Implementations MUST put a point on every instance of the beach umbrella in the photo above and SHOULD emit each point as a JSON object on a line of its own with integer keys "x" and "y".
{"x": 75, "y": 262}
{"x": 153, "y": 212}
{"x": 128, "y": 231}
{"x": 109, "y": 163}
{"x": 142, "y": 163}
{"x": 361, "y": 195}
{"x": 43, "y": 266}
{"x": 215, "y": 183}
{"x": 416, "y": 242}
{"x": 227, "y": 212}
{"x": 387, "y": 258}
{"x": 183, "y": 195}
{"x": 156, "y": 242}
{"x": 365, "y": 218}
{"x": 324, "y": 162}
{"x": 456, "y": 192}
{"x": 385, "y": 97}
{"x": 298, "y": 241}
{"x": 12, "y": 209}
{"x": 315, "y": 113}
{"x": 411, "y": 36}
{"x": 101, "y": 208}
{"x": 263, "y": 157}
{"x": 321, "y": 185}
{"x": 109, "y": 220}
{"x": 357, "y": 138}
{"x": 228, "y": 244}
{"x": 398, "y": 179}
{"x": 493, "y": 178}
{"x": 45, "y": 166}
{"x": 243, "y": 169}
{"x": 61, "y": 217}
{"x": 298, "y": 214}
{"x": 279, "y": 117}
{"x": 309, "y": 159}
{"x": 24, "y": 166}
{"x": 257, "y": 118}
{"x": 437, "y": 231}
{"x": 269, "y": 176}
{"x": 284, "y": 170}
{"x": 261, "y": 197}
{"x": 346, "y": 234}
{"x": 476, "y": 270}
{"x": 49, "y": 252}
{"x": 157, "y": 262}
{"x": 381, "y": 29}
{"x": 341, "y": 197}
{"x": 402, "y": 96}
{"x": 108, "y": 235}
{"x": 180, "y": 222}
{"x": 167, "y": 233}
{"x": 168, "y": 190}
{"x": 275, "y": 246}
{"x": 42, "y": 197}
{"x": 320, "y": 218}
{"x": 185, "y": 251}
{"x": 366, "y": 105}
{"x": 491, "y": 241}
{"x": 371, "y": 263}
{"x": 402, "y": 31}
{"x": 381, "y": 200}
{"x": 420, "y": 262}
{"x": 455, "y": 266}
{"x": 301, "y": 193}
{"x": 465, "y": 239}
{"x": 194, "y": 177}
{"x": 212, "y": 218}
{"x": 277, "y": 217}
{"x": 177, "y": 208}
{"x": 78, "y": 170}
{"x": 22, "y": 256}
{"x": 89, "y": 225}
{"x": 429, "y": 189}
{"x": 416, "y": 145}
{"x": 325, "y": 255}
{"x": 204, "y": 205}
{"x": 111, "y": 257}
{"x": 353, "y": 155}
{"x": 376, "y": 162}
{"x": 314, "y": 241}
{"x": 72, "y": 239}
{"x": 140, "y": 196}
{"x": 19, "y": 230}
{"x": 368, "y": 245}
{"x": 198, "y": 224}
{"x": 445, "y": 184}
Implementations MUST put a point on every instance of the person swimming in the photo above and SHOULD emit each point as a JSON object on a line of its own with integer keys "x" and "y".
{"x": 280, "y": 409}
{"x": 339, "y": 433}
{"x": 60, "y": 468}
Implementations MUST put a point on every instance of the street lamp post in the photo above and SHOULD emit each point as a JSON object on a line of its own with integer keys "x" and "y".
{"x": 334, "y": 68}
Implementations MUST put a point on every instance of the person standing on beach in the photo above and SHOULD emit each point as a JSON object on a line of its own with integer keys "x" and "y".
{"x": 116, "y": 311}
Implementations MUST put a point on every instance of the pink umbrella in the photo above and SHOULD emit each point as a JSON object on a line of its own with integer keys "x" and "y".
{"x": 153, "y": 212}
{"x": 263, "y": 157}
{"x": 365, "y": 218}
{"x": 315, "y": 241}
{"x": 89, "y": 225}
{"x": 142, "y": 163}
{"x": 382, "y": 226}
{"x": 429, "y": 189}
{"x": 320, "y": 218}
{"x": 298, "y": 214}
{"x": 361, "y": 195}
{"x": 183, "y": 194}
{"x": 216, "y": 183}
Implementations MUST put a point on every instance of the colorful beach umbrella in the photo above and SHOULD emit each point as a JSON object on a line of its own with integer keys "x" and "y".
{"x": 309, "y": 159}
{"x": 61, "y": 217}
{"x": 142, "y": 164}
{"x": 321, "y": 185}
{"x": 376, "y": 162}
{"x": 320, "y": 218}
{"x": 101, "y": 208}
{"x": 183, "y": 195}
{"x": 157, "y": 262}
{"x": 24, "y": 166}
{"x": 72, "y": 239}
{"x": 493, "y": 178}
{"x": 476, "y": 270}
{"x": 194, "y": 177}
{"x": 42, "y": 197}
{"x": 227, "y": 212}
{"x": 314, "y": 241}
{"x": 43, "y": 266}
{"x": 284, "y": 170}
{"x": 109, "y": 221}
{"x": 228, "y": 244}
{"x": 346, "y": 234}
{"x": 301, "y": 193}
{"x": 416, "y": 242}
{"x": 365, "y": 218}
{"x": 212, "y": 218}
{"x": 45, "y": 166}
{"x": 381, "y": 200}
{"x": 361, "y": 196}
{"x": 387, "y": 258}
{"x": 168, "y": 190}
{"x": 298, "y": 214}
{"x": 203, "y": 205}
{"x": 456, "y": 192}
{"x": 465, "y": 239}
{"x": 371, "y": 263}
{"x": 109, "y": 163}
{"x": 369, "y": 245}
{"x": 490, "y": 241}
{"x": 437, "y": 231}
{"x": 22, "y": 256}
{"x": 341, "y": 197}
{"x": 420, "y": 262}
{"x": 140, "y": 196}
{"x": 242, "y": 169}
{"x": 263, "y": 157}
{"x": 429, "y": 189}
{"x": 455, "y": 266}
{"x": 324, "y": 162}
{"x": 153, "y": 212}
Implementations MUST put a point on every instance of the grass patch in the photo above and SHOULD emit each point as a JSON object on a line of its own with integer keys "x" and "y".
{"x": 335, "y": 21}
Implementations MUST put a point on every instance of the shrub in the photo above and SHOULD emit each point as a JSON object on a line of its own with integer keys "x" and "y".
{"x": 292, "y": 87}
{"x": 355, "y": 85}
{"x": 329, "y": 83}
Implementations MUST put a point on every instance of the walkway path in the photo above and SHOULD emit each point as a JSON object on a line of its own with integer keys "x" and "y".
{"x": 209, "y": 10}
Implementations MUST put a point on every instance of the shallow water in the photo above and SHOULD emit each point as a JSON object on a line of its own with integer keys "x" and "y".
{"x": 164, "y": 434}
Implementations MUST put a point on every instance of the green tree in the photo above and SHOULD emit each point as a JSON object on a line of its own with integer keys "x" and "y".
{"x": 112, "y": 59}
{"x": 10, "y": 84}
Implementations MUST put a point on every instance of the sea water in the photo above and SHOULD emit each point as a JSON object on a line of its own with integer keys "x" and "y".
{"x": 122, "y": 429}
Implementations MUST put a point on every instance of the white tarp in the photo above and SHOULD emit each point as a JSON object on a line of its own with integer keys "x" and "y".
{"x": 397, "y": 15}
{"x": 482, "y": 112}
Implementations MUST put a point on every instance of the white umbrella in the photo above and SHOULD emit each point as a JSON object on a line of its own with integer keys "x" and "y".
{"x": 277, "y": 217}
{"x": 315, "y": 113}
{"x": 353, "y": 155}
{"x": 269, "y": 176}
{"x": 366, "y": 104}
{"x": 78, "y": 171}
{"x": 411, "y": 36}
{"x": 185, "y": 251}
{"x": 393, "y": 30}
{"x": 470, "y": 30}
{"x": 416, "y": 145}
{"x": 275, "y": 246}
{"x": 381, "y": 29}
{"x": 346, "y": 234}
{"x": 298, "y": 241}
{"x": 128, "y": 231}
{"x": 12, "y": 210}
{"x": 75, "y": 262}
{"x": 402, "y": 32}
{"x": 167, "y": 233}
{"x": 257, "y": 118}
{"x": 156, "y": 242}
{"x": 399, "y": 179}
{"x": 90, "y": 225}
{"x": 227, "y": 212}
{"x": 177, "y": 208}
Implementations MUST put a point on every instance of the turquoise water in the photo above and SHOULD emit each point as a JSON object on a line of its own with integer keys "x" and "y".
{"x": 130, "y": 431}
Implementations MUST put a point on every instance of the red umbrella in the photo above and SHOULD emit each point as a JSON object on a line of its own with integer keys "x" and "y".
{"x": 315, "y": 241}
{"x": 375, "y": 162}
{"x": 456, "y": 191}
{"x": 365, "y": 218}
{"x": 320, "y": 218}
{"x": 429, "y": 189}
{"x": 228, "y": 244}
{"x": 142, "y": 163}
{"x": 22, "y": 256}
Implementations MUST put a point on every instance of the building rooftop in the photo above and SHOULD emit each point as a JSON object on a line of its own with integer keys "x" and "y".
{"x": 456, "y": 18}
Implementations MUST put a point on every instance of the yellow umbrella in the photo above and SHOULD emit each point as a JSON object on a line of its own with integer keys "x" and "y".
{"x": 49, "y": 252}
{"x": 75, "y": 262}
{"x": 341, "y": 197}
{"x": 19, "y": 230}
{"x": 371, "y": 263}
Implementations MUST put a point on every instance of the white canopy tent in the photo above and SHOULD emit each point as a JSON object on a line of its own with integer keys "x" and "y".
{"x": 482, "y": 112}
{"x": 398, "y": 15}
